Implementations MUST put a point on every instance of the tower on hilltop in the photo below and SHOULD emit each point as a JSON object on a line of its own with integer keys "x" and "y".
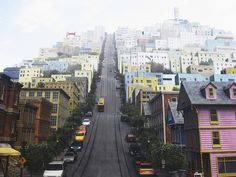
{"x": 176, "y": 13}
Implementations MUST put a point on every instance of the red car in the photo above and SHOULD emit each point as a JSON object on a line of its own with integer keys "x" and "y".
{"x": 130, "y": 137}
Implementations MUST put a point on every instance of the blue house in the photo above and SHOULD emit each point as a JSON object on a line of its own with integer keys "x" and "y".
{"x": 176, "y": 122}
{"x": 189, "y": 77}
{"x": 223, "y": 78}
{"x": 12, "y": 72}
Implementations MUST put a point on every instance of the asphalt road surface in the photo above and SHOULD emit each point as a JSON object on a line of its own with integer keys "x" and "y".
{"x": 105, "y": 152}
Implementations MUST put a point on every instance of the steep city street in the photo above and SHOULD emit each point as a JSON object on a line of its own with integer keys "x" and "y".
{"x": 106, "y": 152}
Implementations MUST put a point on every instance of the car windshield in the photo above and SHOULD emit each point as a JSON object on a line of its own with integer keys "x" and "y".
{"x": 80, "y": 134}
{"x": 54, "y": 167}
{"x": 69, "y": 154}
{"x": 140, "y": 158}
{"x": 145, "y": 166}
{"x": 86, "y": 120}
{"x": 76, "y": 143}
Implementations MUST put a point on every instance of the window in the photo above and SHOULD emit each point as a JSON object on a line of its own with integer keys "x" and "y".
{"x": 39, "y": 93}
{"x": 1, "y": 125}
{"x": 16, "y": 99}
{"x": 13, "y": 127}
{"x": 215, "y": 139}
{"x": 174, "y": 99}
{"x": 22, "y": 94}
{"x": 149, "y": 81}
{"x": 47, "y": 95}
{"x": 2, "y": 92}
{"x": 227, "y": 165}
{"x": 54, "y": 108}
{"x": 54, "y": 121}
{"x": 213, "y": 115}
{"x": 234, "y": 92}
{"x": 211, "y": 92}
{"x": 55, "y": 96}
{"x": 31, "y": 94}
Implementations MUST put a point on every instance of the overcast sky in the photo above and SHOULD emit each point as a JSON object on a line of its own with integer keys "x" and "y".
{"x": 27, "y": 25}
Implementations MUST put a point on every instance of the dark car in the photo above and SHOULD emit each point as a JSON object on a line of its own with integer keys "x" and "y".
{"x": 138, "y": 159}
{"x": 124, "y": 118}
{"x": 89, "y": 114}
{"x": 76, "y": 146}
{"x": 134, "y": 149}
{"x": 130, "y": 137}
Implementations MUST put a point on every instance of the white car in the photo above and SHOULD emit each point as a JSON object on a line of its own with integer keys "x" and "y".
{"x": 55, "y": 168}
{"x": 86, "y": 122}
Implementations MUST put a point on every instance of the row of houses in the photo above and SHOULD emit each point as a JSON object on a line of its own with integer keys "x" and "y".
{"x": 201, "y": 119}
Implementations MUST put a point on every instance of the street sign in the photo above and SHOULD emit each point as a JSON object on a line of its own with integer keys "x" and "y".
{"x": 22, "y": 160}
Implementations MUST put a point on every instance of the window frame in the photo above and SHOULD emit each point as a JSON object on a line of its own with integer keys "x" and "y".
{"x": 211, "y": 115}
{"x": 209, "y": 92}
{"x": 233, "y": 92}
{"x": 224, "y": 160}
{"x": 31, "y": 92}
{"x": 215, "y": 138}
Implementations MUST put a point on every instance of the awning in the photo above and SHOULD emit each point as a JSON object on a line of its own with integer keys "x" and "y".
{"x": 7, "y": 151}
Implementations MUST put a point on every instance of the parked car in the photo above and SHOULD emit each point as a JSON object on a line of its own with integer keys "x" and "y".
{"x": 124, "y": 118}
{"x": 138, "y": 159}
{"x": 130, "y": 137}
{"x": 76, "y": 146}
{"x": 70, "y": 156}
{"x": 82, "y": 128}
{"x": 86, "y": 122}
{"x": 55, "y": 168}
{"x": 79, "y": 136}
{"x": 135, "y": 149}
{"x": 89, "y": 114}
{"x": 145, "y": 169}
{"x": 117, "y": 86}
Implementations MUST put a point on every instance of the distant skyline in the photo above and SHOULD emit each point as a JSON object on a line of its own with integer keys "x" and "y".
{"x": 27, "y": 25}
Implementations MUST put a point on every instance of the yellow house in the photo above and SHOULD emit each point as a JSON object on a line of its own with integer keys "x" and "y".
{"x": 141, "y": 82}
{"x": 60, "y": 77}
{"x": 26, "y": 74}
{"x": 131, "y": 89}
{"x": 131, "y": 68}
{"x": 70, "y": 88}
{"x": 87, "y": 67}
{"x": 87, "y": 74}
{"x": 168, "y": 87}
{"x": 149, "y": 82}
{"x": 59, "y": 99}
{"x": 141, "y": 96}
{"x": 36, "y": 81}
{"x": 229, "y": 71}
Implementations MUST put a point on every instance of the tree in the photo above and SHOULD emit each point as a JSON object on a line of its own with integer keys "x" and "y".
{"x": 49, "y": 73}
{"x": 34, "y": 161}
{"x": 175, "y": 89}
{"x": 156, "y": 67}
{"x": 159, "y": 68}
{"x": 172, "y": 154}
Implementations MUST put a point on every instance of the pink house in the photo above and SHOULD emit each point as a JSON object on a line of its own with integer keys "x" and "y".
{"x": 209, "y": 110}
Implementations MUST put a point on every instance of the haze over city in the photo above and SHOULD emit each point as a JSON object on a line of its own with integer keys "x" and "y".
{"x": 29, "y": 25}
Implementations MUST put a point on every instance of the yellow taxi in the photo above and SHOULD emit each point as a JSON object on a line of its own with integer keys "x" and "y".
{"x": 79, "y": 136}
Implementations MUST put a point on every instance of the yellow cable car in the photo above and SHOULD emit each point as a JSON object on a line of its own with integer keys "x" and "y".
{"x": 101, "y": 104}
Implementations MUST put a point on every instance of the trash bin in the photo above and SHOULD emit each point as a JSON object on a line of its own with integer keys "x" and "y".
{"x": 182, "y": 173}
{"x": 174, "y": 174}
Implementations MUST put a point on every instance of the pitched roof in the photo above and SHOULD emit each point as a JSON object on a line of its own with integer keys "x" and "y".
{"x": 193, "y": 91}
{"x": 177, "y": 116}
